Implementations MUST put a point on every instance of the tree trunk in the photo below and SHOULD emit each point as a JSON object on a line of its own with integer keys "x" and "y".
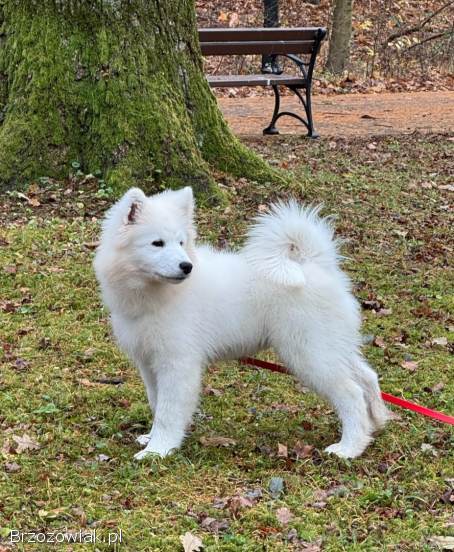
{"x": 116, "y": 85}
{"x": 339, "y": 44}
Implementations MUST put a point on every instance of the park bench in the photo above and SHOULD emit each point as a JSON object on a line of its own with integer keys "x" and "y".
{"x": 290, "y": 43}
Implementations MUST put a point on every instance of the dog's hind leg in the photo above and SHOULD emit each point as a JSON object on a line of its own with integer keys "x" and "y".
{"x": 368, "y": 380}
{"x": 178, "y": 386}
{"x": 332, "y": 377}
{"x": 149, "y": 381}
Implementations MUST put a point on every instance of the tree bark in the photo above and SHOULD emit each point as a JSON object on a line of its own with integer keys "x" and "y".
{"x": 116, "y": 85}
{"x": 339, "y": 43}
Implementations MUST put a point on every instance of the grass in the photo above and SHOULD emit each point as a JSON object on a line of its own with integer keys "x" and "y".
{"x": 392, "y": 200}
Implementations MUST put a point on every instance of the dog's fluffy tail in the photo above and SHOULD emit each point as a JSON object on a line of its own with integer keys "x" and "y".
{"x": 284, "y": 239}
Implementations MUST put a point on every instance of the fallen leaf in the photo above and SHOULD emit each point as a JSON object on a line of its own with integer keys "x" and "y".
{"x": 436, "y": 388}
{"x": 320, "y": 499}
{"x": 12, "y": 467}
{"x": 276, "y": 487}
{"x": 448, "y": 497}
{"x": 444, "y": 543}
{"x": 282, "y": 451}
{"x": 25, "y": 442}
{"x": 208, "y": 390}
{"x": 442, "y": 341}
{"x": 254, "y": 494}
{"x": 448, "y": 187}
{"x": 238, "y": 502}
{"x": 87, "y": 383}
{"x": 56, "y": 513}
{"x": 20, "y": 364}
{"x": 103, "y": 458}
{"x": 220, "y": 502}
{"x": 10, "y": 269}
{"x": 426, "y": 185}
{"x": 34, "y": 202}
{"x": 426, "y": 447}
{"x": 409, "y": 365}
{"x": 371, "y": 304}
{"x": 214, "y": 525}
{"x": 284, "y": 515}
{"x": 190, "y": 542}
{"x": 89, "y": 353}
{"x": 44, "y": 343}
{"x": 80, "y": 514}
{"x": 217, "y": 441}
{"x": 379, "y": 342}
{"x": 302, "y": 451}
{"x": 234, "y": 20}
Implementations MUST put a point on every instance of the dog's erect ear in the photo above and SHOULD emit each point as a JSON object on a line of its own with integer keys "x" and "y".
{"x": 184, "y": 198}
{"x": 133, "y": 200}
{"x": 133, "y": 210}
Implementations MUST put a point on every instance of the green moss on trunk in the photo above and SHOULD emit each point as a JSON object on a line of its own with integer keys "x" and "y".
{"x": 117, "y": 86}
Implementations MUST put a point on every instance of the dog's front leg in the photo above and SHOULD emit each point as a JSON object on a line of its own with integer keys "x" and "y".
{"x": 149, "y": 380}
{"x": 177, "y": 386}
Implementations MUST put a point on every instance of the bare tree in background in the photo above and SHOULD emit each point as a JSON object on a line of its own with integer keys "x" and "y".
{"x": 341, "y": 31}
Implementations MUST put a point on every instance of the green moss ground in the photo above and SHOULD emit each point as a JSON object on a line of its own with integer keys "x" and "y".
{"x": 392, "y": 201}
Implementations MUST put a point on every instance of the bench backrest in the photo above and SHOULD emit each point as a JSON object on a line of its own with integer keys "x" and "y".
{"x": 222, "y": 41}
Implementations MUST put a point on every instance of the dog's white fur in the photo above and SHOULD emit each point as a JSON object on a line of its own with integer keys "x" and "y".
{"x": 284, "y": 290}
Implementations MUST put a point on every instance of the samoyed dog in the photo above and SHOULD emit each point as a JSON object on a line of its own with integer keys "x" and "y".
{"x": 176, "y": 306}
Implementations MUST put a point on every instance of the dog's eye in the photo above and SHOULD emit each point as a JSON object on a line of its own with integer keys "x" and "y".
{"x": 158, "y": 243}
{"x": 181, "y": 243}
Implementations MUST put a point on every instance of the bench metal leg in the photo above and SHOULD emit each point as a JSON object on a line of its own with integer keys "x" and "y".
{"x": 271, "y": 129}
{"x": 308, "y": 106}
{"x": 277, "y": 114}
{"x": 306, "y": 102}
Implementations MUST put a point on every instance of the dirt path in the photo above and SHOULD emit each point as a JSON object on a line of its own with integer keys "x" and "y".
{"x": 349, "y": 115}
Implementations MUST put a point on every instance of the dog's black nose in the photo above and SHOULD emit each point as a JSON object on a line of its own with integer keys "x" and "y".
{"x": 186, "y": 267}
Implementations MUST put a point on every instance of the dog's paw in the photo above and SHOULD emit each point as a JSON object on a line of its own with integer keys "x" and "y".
{"x": 342, "y": 451}
{"x": 147, "y": 454}
{"x": 159, "y": 450}
{"x": 143, "y": 439}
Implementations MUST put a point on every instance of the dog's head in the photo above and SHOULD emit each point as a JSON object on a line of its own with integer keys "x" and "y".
{"x": 153, "y": 235}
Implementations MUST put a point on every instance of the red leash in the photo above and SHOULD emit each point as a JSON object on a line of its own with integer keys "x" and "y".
{"x": 386, "y": 397}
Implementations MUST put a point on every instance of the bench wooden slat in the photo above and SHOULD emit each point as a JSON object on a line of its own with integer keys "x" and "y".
{"x": 259, "y": 34}
{"x": 225, "y": 81}
{"x": 269, "y": 41}
{"x": 257, "y": 47}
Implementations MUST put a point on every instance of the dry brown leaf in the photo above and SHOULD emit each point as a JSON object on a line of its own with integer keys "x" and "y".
{"x": 379, "y": 342}
{"x": 282, "y": 451}
{"x": 25, "y": 442}
{"x": 217, "y": 441}
{"x": 190, "y": 542}
{"x": 34, "y": 202}
{"x": 87, "y": 383}
{"x": 409, "y": 365}
{"x": 284, "y": 515}
{"x": 303, "y": 451}
{"x": 215, "y": 525}
{"x": 12, "y": 467}
{"x": 237, "y": 503}
{"x": 443, "y": 543}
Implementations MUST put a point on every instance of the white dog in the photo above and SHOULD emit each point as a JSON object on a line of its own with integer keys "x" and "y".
{"x": 284, "y": 290}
